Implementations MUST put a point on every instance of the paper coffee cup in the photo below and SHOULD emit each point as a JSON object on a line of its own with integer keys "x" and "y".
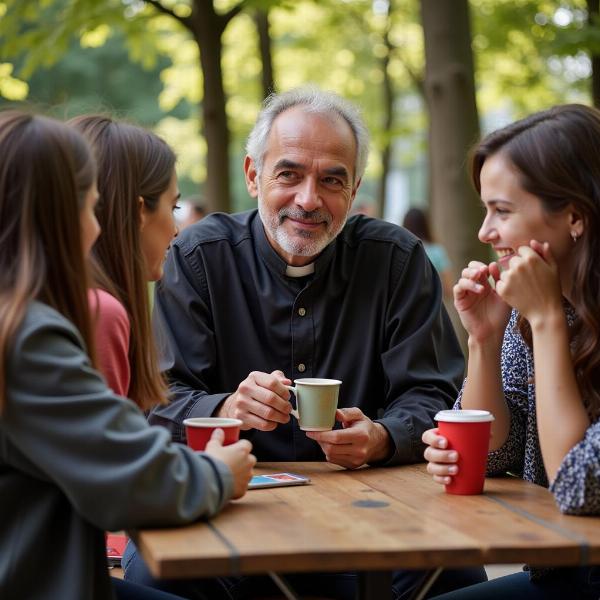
{"x": 316, "y": 402}
{"x": 467, "y": 432}
{"x": 198, "y": 430}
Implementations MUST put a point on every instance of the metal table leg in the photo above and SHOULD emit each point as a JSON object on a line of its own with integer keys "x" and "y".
{"x": 426, "y": 584}
{"x": 284, "y": 586}
{"x": 372, "y": 585}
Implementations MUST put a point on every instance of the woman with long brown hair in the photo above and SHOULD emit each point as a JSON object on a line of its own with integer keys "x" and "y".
{"x": 138, "y": 191}
{"x": 75, "y": 458}
{"x": 137, "y": 184}
{"x": 534, "y": 336}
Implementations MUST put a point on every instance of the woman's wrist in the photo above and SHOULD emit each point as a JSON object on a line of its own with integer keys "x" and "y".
{"x": 488, "y": 344}
{"x": 550, "y": 320}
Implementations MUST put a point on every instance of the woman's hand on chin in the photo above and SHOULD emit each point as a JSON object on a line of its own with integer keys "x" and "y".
{"x": 532, "y": 285}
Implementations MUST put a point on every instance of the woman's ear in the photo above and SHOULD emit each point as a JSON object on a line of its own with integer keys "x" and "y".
{"x": 143, "y": 212}
{"x": 576, "y": 223}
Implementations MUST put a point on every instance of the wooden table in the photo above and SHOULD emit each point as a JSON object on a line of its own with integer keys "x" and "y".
{"x": 373, "y": 521}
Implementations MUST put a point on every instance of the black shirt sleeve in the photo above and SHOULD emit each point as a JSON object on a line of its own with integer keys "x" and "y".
{"x": 186, "y": 340}
{"x": 422, "y": 360}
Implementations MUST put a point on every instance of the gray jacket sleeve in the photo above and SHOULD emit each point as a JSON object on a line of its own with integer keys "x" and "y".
{"x": 73, "y": 431}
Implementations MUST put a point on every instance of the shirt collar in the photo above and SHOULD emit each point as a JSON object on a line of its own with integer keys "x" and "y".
{"x": 291, "y": 271}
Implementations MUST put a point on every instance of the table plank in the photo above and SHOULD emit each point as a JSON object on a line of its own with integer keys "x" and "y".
{"x": 505, "y": 531}
{"x": 373, "y": 519}
{"x": 189, "y": 551}
{"x": 336, "y": 523}
{"x": 538, "y": 504}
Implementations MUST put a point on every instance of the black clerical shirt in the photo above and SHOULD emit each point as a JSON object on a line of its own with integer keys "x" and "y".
{"x": 370, "y": 315}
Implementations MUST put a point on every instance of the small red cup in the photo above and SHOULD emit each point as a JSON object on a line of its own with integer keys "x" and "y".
{"x": 199, "y": 429}
{"x": 467, "y": 432}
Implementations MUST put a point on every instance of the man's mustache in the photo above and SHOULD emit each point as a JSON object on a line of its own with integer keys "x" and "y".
{"x": 313, "y": 216}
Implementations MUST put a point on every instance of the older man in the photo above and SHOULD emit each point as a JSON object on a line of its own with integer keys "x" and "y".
{"x": 251, "y": 301}
{"x": 297, "y": 289}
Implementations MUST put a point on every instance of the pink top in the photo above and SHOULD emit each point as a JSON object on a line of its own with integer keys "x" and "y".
{"x": 112, "y": 331}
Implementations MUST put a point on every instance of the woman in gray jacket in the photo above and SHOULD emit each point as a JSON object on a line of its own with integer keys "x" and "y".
{"x": 75, "y": 459}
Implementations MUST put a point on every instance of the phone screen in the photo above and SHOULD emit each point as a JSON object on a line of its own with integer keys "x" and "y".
{"x": 277, "y": 479}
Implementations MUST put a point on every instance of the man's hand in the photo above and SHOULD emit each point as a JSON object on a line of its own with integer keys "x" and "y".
{"x": 261, "y": 401}
{"x": 359, "y": 442}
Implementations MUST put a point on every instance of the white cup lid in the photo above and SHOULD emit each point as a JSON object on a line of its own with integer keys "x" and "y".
{"x": 212, "y": 422}
{"x": 464, "y": 416}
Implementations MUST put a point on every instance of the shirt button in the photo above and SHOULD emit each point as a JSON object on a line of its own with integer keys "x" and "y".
{"x": 301, "y": 311}
{"x": 301, "y": 367}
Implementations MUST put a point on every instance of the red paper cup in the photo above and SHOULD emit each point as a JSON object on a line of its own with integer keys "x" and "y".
{"x": 467, "y": 432}
{"x": 199, "y": 429}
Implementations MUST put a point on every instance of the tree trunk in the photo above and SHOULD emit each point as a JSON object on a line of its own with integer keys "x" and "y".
{"x": 593, "y": 14}
{"x": 454, "y": 127}
{"x": 261, "y": 18}
{"x": 388, "y": 117}
{"x": 208, "y": 28}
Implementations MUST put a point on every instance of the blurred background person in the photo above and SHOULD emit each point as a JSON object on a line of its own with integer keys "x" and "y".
{"x": 364, "y": 208}
{"x": 193, "y": 209}
{"x": 416, "y": 221}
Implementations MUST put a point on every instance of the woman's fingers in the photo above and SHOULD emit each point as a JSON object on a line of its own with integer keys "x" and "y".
{"x": 473, "y": 273}
{"x": 441, "y": 462}
{"x": 442, "y": 480}
{"x": 432, "y": 438}
{"x": 440, "y": 456}
{"x": 495, "y": 271}
{"x": 543, "y": 249}
{"x": 465, "y": 284}
{"x": 441, "y": 470}
{"x": 478, "y": 273}
{"x": 476, "y": 264}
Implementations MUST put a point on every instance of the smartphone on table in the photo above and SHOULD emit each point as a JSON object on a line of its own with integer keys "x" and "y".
{"x": 277, "y": 480}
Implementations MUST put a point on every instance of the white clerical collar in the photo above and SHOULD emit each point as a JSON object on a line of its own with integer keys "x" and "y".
{"x": 300, "y": 271}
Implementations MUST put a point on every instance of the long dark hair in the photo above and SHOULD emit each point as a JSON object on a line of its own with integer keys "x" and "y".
{"x": 557, "y": 155}
{"x": 45, "y": 172}
{"x": 132, "y": 163}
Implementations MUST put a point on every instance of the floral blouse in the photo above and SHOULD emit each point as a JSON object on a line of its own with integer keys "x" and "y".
{"x": 576, "y": 488}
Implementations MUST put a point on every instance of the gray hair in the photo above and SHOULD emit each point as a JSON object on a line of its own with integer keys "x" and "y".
{"x": 312, "y": 100}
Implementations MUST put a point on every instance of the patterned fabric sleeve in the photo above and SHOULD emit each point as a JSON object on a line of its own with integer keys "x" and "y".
{"x": 510, "y": 457}
{"x": 576, "y": 488}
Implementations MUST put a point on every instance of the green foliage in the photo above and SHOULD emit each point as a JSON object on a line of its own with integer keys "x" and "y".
{"x": 525, "y": 58}
{"x": 41, "y": 32}
{"x": 81, "y": 55}
{"x": 102, "y": 78}
{"x": 11, "y": 88}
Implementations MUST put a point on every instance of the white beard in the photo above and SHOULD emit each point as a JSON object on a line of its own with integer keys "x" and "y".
{"x": 303, "y": 243}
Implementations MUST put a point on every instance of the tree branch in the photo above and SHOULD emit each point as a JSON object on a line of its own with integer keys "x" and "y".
{"x": 159, "y": 6}
{"x": 414, "y": 76}
{"x": 233, "y": 12}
